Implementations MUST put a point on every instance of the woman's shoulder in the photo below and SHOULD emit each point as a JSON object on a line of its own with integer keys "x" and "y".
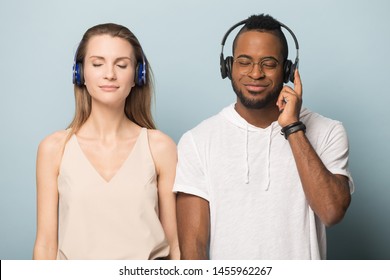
{"x": 159, "y": 139}
{"x": 54, "y": 143}
{"x": 162, "y": 147}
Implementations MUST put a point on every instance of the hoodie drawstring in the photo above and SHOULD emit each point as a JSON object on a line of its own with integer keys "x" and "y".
{"x": 268, "y": 166}
{"x": 246, "y": 155}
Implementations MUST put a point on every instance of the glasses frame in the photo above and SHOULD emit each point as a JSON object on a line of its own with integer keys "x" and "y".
{"x": 251, "y": 65}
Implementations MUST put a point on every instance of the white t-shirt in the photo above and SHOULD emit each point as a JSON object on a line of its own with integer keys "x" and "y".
{"x": 258, "y": 209}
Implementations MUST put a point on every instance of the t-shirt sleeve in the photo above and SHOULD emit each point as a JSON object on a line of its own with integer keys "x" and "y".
{"x": 190, "y": 173}
{"x": 336, "y": 153}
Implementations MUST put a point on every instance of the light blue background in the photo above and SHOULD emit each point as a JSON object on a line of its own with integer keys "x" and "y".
{"x": 344, "y": 63}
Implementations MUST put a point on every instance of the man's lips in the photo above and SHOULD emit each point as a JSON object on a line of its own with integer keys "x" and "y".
{"x": 255, "y": 87}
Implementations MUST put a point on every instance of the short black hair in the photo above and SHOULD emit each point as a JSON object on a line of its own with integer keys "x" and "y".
{"x": 264, "y": 23}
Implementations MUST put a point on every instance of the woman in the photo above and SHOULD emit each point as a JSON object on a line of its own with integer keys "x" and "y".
{"x": 104, "y": 185}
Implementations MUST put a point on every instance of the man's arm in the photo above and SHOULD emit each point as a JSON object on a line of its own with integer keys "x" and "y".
{"x": 193, "y": 221}
{"x": 328, "y": 194}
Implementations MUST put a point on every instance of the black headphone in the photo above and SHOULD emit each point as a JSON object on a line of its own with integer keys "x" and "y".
{"x": 139, "y": 77}
{"x": 227, "y": 64}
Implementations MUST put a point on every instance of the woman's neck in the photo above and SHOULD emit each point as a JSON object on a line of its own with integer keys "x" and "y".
{"x": 107, "y": 123}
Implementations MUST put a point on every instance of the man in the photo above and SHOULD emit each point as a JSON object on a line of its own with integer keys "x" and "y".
{"x": 244, "y": 190}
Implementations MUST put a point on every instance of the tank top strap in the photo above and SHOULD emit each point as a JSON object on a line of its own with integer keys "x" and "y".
{"x": 143, "y": 139}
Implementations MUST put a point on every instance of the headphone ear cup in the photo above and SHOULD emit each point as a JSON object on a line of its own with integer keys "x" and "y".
{"x": 229, "y": 66}
{"x": 78, "y": 75}
{"x": 287, "y": 71}
{"x": 139, "y": 74}
{"x": 222, "y": 65}
{"x": 292, "y": 72}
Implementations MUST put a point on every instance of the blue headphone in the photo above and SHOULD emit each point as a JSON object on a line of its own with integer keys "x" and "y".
{"x": 139, "y": 77}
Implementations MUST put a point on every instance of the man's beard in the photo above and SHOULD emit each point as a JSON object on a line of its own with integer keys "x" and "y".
{"x": 254, "y": 103}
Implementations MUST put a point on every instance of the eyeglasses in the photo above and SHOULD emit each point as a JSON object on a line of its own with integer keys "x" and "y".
{"x": 245, "y": 65}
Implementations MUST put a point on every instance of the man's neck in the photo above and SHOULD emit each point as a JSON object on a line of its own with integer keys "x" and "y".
{"x": 258, "y": 117}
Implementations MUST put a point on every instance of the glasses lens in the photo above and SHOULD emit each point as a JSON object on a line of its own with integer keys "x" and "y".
{"x": 245, "y": 65}
{"x": 268, "y": 64}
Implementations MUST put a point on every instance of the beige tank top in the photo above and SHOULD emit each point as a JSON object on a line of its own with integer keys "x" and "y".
{"x": 117, "y": 219}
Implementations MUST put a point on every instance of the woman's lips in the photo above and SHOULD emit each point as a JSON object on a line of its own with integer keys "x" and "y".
{"x": 109, "y": 88}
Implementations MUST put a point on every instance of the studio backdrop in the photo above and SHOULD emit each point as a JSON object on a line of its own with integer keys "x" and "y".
{"x": 344, "y": 66}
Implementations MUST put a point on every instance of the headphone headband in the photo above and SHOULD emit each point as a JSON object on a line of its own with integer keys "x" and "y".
{"x": 226, "y": 66}
{"x": 295, "y": 41}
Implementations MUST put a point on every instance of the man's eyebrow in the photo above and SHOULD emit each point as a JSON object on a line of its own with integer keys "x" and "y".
{"x": 262, "y": 58}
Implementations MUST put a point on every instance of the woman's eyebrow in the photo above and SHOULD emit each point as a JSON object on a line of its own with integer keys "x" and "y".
{"x": 118, "y": 58}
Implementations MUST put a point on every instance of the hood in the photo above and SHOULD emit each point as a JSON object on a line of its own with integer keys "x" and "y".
{"x": 233, "y": 117}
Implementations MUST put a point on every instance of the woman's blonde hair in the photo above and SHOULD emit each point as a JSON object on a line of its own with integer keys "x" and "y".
{"x": 138, "y": 103}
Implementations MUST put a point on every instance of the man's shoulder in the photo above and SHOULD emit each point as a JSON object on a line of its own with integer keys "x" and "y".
{"x": 210, "y": 124}
{"x": 316, "y": 119}
{"x": 206, "y": 128}
{"x": 321, "y": 127}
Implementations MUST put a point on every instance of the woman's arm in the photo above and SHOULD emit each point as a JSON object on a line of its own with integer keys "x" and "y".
{"x": 47, "y": 168}
{"x": 165, "y": 157}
